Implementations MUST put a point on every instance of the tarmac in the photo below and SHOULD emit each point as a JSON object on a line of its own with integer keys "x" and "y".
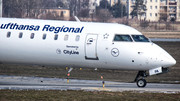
{"x": 40, "y": 83}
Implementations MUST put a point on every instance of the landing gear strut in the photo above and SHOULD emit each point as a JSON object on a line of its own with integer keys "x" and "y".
{"x": 141, "y": 82}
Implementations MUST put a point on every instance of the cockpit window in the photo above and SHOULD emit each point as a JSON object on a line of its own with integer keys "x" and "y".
{"x": 126, "y": 38}
{"x": 140, "y": 38}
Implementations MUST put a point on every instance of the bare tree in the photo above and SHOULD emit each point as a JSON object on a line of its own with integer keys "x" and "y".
{"x": 139, "y": 8}
{"x": 144, "y": 24}
{"x": 48, "y": 3}
{"x": 72, "y": 7}
{"x": 10, "y": 8}
{"x": 16, "y": 8}
{"x": 52, "y": 16}
{"x": 66, "y": 3}
{"x": 103, "y": 15}
{"x": 163, "y": 17}
{"x": 75, "y": 6}
{"x": 85, "y": 4}
{"x": 59, "y": 3}
{"x": 29, "y": 5}
{"x": 84, "y": 13}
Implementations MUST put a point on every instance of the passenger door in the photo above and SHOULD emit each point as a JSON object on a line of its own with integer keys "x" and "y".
{"x": 91, "y": 47}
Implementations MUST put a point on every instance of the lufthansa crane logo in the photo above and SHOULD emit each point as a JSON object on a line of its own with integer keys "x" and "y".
{"x": 115, "y": 52}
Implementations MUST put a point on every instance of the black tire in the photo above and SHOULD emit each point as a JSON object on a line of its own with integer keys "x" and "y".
{"x": 141, "y": 83}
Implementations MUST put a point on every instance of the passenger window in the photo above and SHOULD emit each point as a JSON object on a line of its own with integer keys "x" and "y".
{"x": 140, "y": 38}
{"x": 44, "y": 36}
{"x": 66, "y": 37}
{"x": 32, "y": 36}
{"x": 77, "y": 38}
{"x": 55, "y": 37}
{"x": 8, "y": 34}
{"x": 126, "y": 38}
{"x": 20, "y": 35}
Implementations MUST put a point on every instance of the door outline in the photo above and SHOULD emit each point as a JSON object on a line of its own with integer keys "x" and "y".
{"x": 88, "y": 41}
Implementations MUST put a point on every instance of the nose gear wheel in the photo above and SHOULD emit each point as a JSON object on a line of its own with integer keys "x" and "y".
{"x": 141, "y": 83}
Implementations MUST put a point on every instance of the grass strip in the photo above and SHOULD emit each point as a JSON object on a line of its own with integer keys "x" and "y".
{"x": 70, "y": 95}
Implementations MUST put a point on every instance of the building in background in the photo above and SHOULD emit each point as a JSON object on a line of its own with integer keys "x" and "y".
{"x": 92, "y": 7}
{"x": 97, "y": 1}
{"x": 167, "y": 10}
{"x": 44, "y": 13}
{"x": 112, "y": 2}
{"x": 170, "y": 9}
{"x": 159, "y": 10}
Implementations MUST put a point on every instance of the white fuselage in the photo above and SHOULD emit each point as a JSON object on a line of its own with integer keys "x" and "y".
{"x": 77, "y": 44}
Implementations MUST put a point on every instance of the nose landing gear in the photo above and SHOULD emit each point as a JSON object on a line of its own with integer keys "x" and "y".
{"x": 141, "y": 82}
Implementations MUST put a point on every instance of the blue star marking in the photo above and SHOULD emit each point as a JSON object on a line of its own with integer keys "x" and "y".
{"x": 106, "y": 36}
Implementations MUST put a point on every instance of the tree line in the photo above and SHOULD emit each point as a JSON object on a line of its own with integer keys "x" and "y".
{"x": 17, "y": 8}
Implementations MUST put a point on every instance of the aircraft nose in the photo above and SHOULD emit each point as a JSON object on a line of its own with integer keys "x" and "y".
{"x": 167, "y": 60}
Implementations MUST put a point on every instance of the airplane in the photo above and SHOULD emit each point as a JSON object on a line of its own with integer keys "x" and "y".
{"x": 78, "y": 44}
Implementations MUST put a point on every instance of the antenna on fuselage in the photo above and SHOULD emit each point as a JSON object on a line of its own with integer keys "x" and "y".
{"x": 77, "y": 19}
